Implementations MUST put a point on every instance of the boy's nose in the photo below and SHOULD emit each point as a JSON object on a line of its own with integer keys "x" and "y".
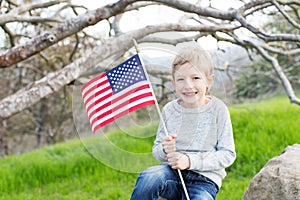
{"x": 188, "y": 84}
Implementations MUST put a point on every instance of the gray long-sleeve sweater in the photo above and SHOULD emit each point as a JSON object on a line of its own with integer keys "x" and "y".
{"x": 204, "y": 134}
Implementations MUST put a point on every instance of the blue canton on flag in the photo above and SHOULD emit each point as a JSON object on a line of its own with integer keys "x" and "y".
{"x": 126, "y": 74}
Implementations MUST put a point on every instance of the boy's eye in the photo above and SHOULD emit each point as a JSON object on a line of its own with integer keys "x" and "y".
{"x": 197, "y": 78}
{"x": 180, "y": 79}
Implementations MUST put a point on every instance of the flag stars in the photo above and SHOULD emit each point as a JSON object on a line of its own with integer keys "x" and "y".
{"x": 126, "y": 74}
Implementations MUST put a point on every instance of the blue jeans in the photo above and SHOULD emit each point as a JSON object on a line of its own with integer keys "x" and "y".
{"x": 163, "y": 181}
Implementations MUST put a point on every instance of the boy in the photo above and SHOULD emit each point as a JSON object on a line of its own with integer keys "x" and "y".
{"x": 200, "y": 141}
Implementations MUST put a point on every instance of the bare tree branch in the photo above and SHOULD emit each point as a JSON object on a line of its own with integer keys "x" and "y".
{"x": 12, "y": 2}
{"x": 29, "y": 7}
{"x": 203, "y": 11}
{"x": 138, "y": 5}
{"x": 10, "y": 34}
{"x": 265, "y": 36}
{"x": 280, "y": 51}
{"x": 62, "y": 31}
{"x": 74, "y": 25}
{"x": 116, "y": 24}
{"x": 154, "y": 39}
{"x": 278, "y": 69}
{"x": 285, "y": 81}
{"x": 290, "y": 2}
{"x": 15, "y": 14}
{"x": 286, "y": 16}
{"x": 75, "y": 48}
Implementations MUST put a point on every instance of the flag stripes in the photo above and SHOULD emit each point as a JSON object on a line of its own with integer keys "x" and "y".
{"x": 106, "y": 100}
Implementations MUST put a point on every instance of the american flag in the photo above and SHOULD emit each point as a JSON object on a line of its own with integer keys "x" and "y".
{"x": 117, "y": 92}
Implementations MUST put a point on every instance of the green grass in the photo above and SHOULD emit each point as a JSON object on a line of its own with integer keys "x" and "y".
{"x": 261, "y": 130}
{"x": 73, "y": 170}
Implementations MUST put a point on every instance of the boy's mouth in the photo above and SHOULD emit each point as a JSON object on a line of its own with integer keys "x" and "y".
{"x": 189, "y": 93}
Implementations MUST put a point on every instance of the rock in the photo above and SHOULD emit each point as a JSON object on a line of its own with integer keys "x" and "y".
{"x": 279, "y": 179}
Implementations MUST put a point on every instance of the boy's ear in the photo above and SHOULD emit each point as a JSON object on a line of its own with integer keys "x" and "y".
{"x": 173, "y": 83}
{"x": 210, "y": 82}
{"x": 211, "y": 79}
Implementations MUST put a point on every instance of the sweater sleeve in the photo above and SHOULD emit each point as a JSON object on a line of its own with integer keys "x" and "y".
{"x": 223, "y": 155}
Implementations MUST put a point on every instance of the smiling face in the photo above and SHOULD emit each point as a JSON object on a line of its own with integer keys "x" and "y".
{"x": 191, "y": 85}
{"x": 193, "y": 75}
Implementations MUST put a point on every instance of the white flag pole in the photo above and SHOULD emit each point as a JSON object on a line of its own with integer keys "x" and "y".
{"x": 159, "y": 113}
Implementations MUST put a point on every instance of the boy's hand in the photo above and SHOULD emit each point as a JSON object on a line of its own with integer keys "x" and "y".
{"x": 168, "y": 143}
{"x": 178, "y": 160}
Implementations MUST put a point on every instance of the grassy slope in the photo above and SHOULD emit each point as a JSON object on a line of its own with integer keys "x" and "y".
{"x": 68, "y": 171}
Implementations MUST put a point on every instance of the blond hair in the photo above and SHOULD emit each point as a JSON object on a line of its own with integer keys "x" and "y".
{"x": 196, "y": 56}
